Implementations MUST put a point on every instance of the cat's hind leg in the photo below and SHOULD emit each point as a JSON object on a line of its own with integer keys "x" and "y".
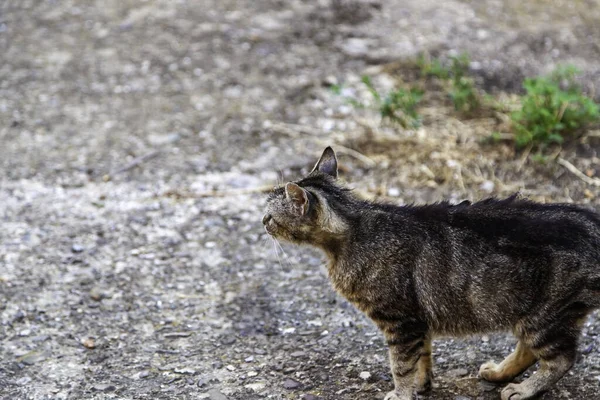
{"x": 555, "y": 345}
{"x": 512, "y": 366}
{"x": 424, "y": 376}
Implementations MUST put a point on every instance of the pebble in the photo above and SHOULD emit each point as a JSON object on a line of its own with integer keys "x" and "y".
{"x": 458, "y": 372}
{"x": 24, "y": 380}
{"x": 40, "y": 338}
{"x": 176, "y": 335}
{"x": 230, "y": 367}
{"x": 393, "y": 192}
{"x": 291, "y": 384}
{"x": 487, "y": 186}
{"x": 297, "y": 354}
{"x": 96, "y": 294}
{"x": 252, "y": 374}
{"x": 33, "y": 357}
{"x": 486, "y": 386}
{"x": 77, "y": 248}
{"x": 216, "y": 395}
{"x": 330, "y": 80}
{"x": 227, "y": 340}
{"x": 144, "y": 374}
{"x": 256, "y": 387}
{"x": 104, "y": 387}
{"x": 310, "y": 397}
{"x": 365, "y": 375}
{"x": 249, "y": 359}
{"x": 462, "y": 398}
{"x": 88, "y": 343}
{"x": 185, "y": 371}
{"x": 355, "y": 47}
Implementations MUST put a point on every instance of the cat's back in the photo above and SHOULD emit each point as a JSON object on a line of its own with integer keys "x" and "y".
{"x": 514, "y": 219}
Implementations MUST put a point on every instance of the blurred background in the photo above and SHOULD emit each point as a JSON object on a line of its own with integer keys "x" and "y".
{"x": 138, "y": 139}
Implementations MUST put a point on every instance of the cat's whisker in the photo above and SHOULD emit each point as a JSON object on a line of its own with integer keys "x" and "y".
{"x": 277, "y": 253}
{"x": 286, "y": 257}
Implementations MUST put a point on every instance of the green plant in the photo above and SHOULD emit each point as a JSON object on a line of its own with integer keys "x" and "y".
{"x": 462, "y": 88}
{"x": 459, "y": 86}
{"x": 433, "y": 67}
{"x": 399, "y": 105}
{"x": 553, "y": 108}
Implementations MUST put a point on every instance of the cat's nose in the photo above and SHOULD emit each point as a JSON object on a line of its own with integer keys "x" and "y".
{"x": 266, "y": 219}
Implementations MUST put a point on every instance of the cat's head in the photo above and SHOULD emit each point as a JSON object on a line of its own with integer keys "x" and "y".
{"x": 309, "y": 210}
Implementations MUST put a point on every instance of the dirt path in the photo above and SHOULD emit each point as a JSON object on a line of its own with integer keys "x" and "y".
{"x": 114, "y": 284}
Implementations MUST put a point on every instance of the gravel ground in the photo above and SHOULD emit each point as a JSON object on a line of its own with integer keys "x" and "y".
{"x": 120, "y": 279}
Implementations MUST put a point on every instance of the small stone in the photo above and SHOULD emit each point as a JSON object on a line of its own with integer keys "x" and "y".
{"x": 249, "y": 359}
{"x": 216, "y": 395}
{"x": 252, "y": 374}
{"x": 365, "y": 375}
{"x": 40, "y": 338}
{"x": 89, "y": 343}
{"x": 144, "y": 374}
{"x": 291, "y": 384}
{"x": 19, "y": 317}
{"x": 487, "y": 186}
{"x": 25, "y": 332}
{"x": 217, "y": 365}
{"x": 177, "y": 335}
{"x": 298, "y": 354}
{"x": 32, "y": 357}
{"x": 104, "y": 387}
{"x": 77, "y": 248}
{"x": 24, "y": 380}
{"x": 458, "y": 372}
{"x": 588, "y": 194}
{"x": 485, "y": 338}
{"x": 462, "y": 398}
{"x": 486, "y": 386}
{"x": 185, "y": 371}
{"x": 393, "y": 192}
{"x": 330, "y": 80}
{"x": 230, "y": 367}
{"x": 227, "y": 340}
{"x": 355, "y": 47}
{"x": 256, "y": 387}
{"x": 202, "y": 382}
{"x": 311, "y": 397}
{"x": 96, "y": 294}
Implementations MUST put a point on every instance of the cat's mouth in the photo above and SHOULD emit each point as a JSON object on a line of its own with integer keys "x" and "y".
{"x": 270, "y": 224}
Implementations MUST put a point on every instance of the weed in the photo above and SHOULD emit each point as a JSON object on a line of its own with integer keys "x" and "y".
{"x": 459, "y": 86}
{"x": 398, "y": 106}
{"x": 552, "y": 109}
{"x": 462, "y": 88}
{"x": 429, "y": 67}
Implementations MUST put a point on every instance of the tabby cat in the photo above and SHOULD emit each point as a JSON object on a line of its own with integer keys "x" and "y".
{"x": 424, "y": 271}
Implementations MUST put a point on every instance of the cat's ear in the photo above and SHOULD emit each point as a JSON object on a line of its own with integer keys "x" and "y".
{"x": 327, "y": 164}
{"x": 298, "y": 197}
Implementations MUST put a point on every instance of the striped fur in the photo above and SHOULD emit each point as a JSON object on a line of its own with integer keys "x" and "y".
{"x": 442, "y": 269}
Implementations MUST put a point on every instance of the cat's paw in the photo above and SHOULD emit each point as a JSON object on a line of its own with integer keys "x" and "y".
{"x": 393, "y": 395}
{"x": 424, "y": 383}
{"x": 489, "y": 372}
{"x": 515, "y": 391}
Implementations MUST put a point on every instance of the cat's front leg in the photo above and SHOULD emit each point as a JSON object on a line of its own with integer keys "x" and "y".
{"x": 405, "y": 351}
